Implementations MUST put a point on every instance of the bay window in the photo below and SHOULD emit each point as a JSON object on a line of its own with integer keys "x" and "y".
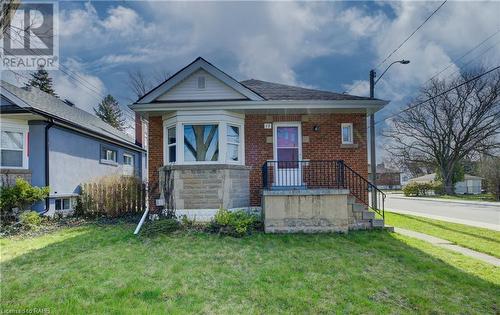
{"x": 208, "y": 138}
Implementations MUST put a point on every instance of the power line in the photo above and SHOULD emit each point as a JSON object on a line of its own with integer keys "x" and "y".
{"x": 467, "y": 53}
{"x": 413, "y": 33}
{"x": 440, "y": 94}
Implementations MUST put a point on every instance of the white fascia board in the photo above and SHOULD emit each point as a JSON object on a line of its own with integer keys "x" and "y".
{"x": 193, "y": 67}
{"x": 370, "y": 106}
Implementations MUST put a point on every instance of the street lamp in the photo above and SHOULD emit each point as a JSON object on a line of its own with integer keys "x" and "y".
{"x": 373, "y": 160}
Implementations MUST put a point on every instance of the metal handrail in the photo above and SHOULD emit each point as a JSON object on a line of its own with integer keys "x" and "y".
{"x": 321, "y": 174}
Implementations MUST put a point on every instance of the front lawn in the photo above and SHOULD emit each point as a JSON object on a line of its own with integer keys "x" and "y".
{"x": 481, "y": 197}
{"x": 97, "y": 270}
{"x": 479, "y": 239}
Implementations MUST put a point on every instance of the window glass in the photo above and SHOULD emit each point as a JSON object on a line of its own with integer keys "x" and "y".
{"x": 109, "y": 155}
{"x": 128, "y": 159}
{"x": 12, "y": 140}
{"x": 12, "y": 145}
{"x": 66, "y": 203}
{"x": 171, "y": 135}
{"x": 58, "y": 204}
{"x": 171, "y": 143}
{"x": 288, "y": 137}
{"x": 201, "y": 142}
{"x": 12, "y": 158}
{"x": 233, "y": 134}
{"x": 346, "y": 133}
{"x": 233, "y": 141}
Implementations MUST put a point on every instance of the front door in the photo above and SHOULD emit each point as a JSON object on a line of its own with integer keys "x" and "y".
{"x": 287, "y": 153}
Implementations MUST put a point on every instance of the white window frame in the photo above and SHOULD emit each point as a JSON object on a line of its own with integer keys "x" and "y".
{"x": 62, "y": 204}
{"x": 105, "y": 160}
{"x": 169, "y": 145}
{"x": 220, "y": 118}
{"x": 233, "y": 143}
{"x": 132, "y": 159}
{"x": 13, "y": 127}
{"x": 351, "y": 135}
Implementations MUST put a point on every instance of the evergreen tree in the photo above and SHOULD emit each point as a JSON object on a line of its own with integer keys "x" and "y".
{"x": 41, "y": 80}
{"x": 109, "y": 111}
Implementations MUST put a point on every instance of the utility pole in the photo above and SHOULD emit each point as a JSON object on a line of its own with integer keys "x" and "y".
{"x": 373, "y": 160}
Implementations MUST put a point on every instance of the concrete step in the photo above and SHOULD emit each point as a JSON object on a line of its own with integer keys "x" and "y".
{"x": 359, "y": 207}
{"x": 367, "y": 215}
{"x": 351, "y": 200}
{"x": 378, "y": 223}
{"x": 389, "y": 228}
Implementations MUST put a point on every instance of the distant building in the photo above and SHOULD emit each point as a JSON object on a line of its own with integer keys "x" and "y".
{"x": 386, "y": 178}
{"x": 470, "y": 185}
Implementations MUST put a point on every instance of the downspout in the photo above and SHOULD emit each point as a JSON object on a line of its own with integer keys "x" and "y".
{"x": 47, "y": 164}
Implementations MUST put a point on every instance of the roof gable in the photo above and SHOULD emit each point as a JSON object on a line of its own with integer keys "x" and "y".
{"x": 211, "y": 89}
{"x": 161, "y": 91}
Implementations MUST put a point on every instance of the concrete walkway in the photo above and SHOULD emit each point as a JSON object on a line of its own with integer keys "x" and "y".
{"x": 449, "y": 245}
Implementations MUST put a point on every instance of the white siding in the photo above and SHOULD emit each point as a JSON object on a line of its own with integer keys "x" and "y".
{"x": 188, "y": 89}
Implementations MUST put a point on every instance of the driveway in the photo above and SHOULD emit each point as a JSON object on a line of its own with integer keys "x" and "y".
{"x": 481, "y": 214}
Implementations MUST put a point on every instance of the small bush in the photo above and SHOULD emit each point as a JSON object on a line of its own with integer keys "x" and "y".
{"x": 237, "y": 224}
{"x": 422, "y": 189}
{"x": 21, "y": 195}
{"x": 162, "y": 226}
{"x": 30, "y": 219}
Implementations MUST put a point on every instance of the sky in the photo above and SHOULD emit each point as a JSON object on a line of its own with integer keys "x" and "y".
{"x": 323, "y": 45}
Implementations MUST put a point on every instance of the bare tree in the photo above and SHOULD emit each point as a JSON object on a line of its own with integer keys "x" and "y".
{"x": 141, "y": 83}
{"x": 489, "y": 169}
{"x": 7, "y": 9}
{"x": 450, "y": 127}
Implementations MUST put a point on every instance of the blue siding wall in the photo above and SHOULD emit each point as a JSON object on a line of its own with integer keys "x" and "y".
{"x": 75, "y": 159}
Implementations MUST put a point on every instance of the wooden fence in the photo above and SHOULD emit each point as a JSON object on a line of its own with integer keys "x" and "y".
{"x": 112, "y": 197}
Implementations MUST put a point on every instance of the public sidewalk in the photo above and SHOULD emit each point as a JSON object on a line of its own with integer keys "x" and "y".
{"x": 449, "y": 245}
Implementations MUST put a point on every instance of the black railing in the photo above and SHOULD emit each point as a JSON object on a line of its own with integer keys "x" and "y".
{"x": 321, "y": 174}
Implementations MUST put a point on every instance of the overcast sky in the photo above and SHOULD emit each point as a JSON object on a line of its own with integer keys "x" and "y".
{"x": 325, "y": 45}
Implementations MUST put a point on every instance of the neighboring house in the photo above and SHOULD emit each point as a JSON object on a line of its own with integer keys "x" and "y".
{"x": 50, "y": 142}
{"x": 386, "y": 178}
{"x": 470, "y": 185}
{"x": 219, "y": 143}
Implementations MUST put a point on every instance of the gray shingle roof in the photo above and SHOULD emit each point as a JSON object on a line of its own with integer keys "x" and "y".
{"x": 47, "y": 104}
{"x": 276, "y": 91}
{"x": 431, "y": 177}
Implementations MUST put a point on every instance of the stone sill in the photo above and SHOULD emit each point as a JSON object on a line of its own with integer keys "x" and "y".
{"x": 14, "y": 171}
{"x": 305, "y": 192}
{"x": 205, "y": 167}
{"x": 349, "y": 146}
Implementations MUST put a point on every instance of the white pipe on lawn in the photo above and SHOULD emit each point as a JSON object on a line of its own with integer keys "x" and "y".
{"x": 138, "y": 228}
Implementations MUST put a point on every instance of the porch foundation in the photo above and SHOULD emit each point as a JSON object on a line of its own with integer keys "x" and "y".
{"x": 200, "y": 190}
{"x": 307, "y": 211}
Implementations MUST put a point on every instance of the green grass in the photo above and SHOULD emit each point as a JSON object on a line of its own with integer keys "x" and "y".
{"x": 481, "y": 197}
{"x": 479, "y": 239}
{"x": 97, "y": 270}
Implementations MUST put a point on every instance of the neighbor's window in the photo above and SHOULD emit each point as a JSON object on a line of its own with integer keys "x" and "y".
{"x": 201, "y": 143}
{"x": 171, "y": 145}
{"x": 347, "y": 137}
{"x": 128, "y": 159}
{"x": 108, "y": 155}
{"x": 12, "y": 147}
{"x": 63, "y": 204}
{"x": 233, "y": 143}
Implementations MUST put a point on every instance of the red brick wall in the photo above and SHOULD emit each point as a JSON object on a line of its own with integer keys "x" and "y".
{"x": 323, "y": 145}
{"x": 155, "y": 156}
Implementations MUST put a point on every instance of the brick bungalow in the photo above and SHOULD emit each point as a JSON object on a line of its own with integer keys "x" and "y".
{"x": 215, "y": 142}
